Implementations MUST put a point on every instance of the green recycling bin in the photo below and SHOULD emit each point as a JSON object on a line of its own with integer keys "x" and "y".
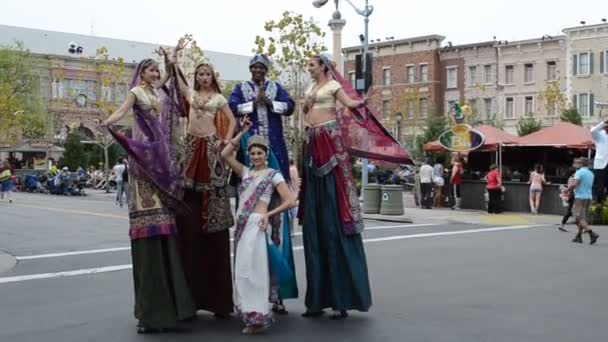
{"x": 371, "y": 200}
{"x": 391, "y": 202}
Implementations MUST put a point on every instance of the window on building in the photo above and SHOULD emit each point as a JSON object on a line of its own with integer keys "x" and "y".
{"x": 473, "y": 105}
{"x": 604, "y": 62}
{"x": 529, "y": 106}
{"x": 487, "y": 74}
{"x": 509, "y": 108}
{"x": 424, "y": 107}
{"x": 473, "y": 75}
{"x": 386, "y": 109}
{"x": 73, "y": 88}
{"x": 529, "y": 73}
{"x": 410, "y": 74}
{"x": 352, "y": 77}
{"x": 45, "y": 87}
{"x": 487, "y": 108}
{"x": 120, "y": 92}
{"x": 584, "y": 64}
{"x": 552, "y": 109}
{"x": 411, "y": 109}
{"x": 551, "y": 71}
{"x": 452, "y": 77}
{"x": 424, "y": 73}
{"x": 509, "y": 70}
{"x": 450, "y": 106}
{"x": 386, "y": 76}
{"x": 584, "y": 104}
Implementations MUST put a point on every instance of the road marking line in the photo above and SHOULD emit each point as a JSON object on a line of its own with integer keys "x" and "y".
{"x": 64, "y": 274}
{"x": 69, "y": 211}
{"x": 56, "y": 255}
{"x": 296, "y": 248}
{"x": 455, "y": 232}
{"x": 119, "y": 249}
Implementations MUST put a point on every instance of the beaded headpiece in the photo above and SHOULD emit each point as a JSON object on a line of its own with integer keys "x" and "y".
{"x": 256, "y": 140}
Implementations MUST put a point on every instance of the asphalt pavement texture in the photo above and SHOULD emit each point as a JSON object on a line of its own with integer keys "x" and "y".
{"x": 67, "y": 277}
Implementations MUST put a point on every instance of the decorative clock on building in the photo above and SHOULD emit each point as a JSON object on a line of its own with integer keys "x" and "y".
{"x": 81, "y": 100}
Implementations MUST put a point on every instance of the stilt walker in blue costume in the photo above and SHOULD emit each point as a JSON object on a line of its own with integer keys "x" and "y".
{"x": 266, "y": 103}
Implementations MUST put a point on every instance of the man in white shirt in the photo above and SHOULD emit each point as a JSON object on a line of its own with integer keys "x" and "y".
{"x": 600, "y": 138}
{"x": 426, "y": 184}
{"x": 119, "y": 170}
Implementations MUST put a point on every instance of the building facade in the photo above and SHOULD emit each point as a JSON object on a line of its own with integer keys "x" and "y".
{"x": 72, "y": 82}
{"x": 469, "y": 77}
{"x": 587, "y": 70}
{"x": 406, "y": 80}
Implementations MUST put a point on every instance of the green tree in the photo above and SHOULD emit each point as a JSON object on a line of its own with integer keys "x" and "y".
{"x": 74, "y": 155}
{"x": 111, "y": 73}
{"x": 435, "y": 125}
{"x": 571, "y": 115}
{"x": 528, "y": 125}
{"x": 290, "y": 42}
{"x": 22, "y": 112}
{"x": 553, "y": 99}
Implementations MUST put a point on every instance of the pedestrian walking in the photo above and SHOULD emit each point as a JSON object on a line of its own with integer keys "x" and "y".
{"x": 456, "y": 180}
{"x": 536, "y": 181}
{"x": 438, "y": 183}
{"x": 494, "y": 188}
{"x": 426, "y": 184}
{"x": 600, "y": 161}
{"x": 6, "y": 181}
{"x": 119, "y": 170}
{"x": 567, "y": 197}
{"x": 582, "y": 186}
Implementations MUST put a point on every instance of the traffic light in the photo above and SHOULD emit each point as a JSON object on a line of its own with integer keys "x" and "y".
{"x": 363, "y": 83}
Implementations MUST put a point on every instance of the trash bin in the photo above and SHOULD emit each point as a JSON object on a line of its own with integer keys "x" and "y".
{"x": 392, "y": 200}
{"x": 371, "y": 200}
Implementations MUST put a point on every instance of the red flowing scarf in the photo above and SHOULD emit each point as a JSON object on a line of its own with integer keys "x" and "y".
{"x": 363, "y": 134}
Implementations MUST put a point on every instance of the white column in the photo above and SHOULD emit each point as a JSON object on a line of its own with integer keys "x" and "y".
{"x": 336, "y": 26}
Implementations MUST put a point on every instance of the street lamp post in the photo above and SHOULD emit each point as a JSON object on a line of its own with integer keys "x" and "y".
{"x": 366, "y": 13}
{"x": 398, "y": 118}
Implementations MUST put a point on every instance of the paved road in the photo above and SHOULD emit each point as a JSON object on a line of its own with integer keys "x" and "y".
{"x": 430, "y": 282}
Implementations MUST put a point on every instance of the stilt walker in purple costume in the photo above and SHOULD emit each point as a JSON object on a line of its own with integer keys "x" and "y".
{"x": 162, "y": 296}
{"x": 266, "y": 103}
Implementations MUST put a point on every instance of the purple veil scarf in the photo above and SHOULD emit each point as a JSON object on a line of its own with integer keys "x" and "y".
{"x": 363, "y": 134}
{"x": 152, "y": 154}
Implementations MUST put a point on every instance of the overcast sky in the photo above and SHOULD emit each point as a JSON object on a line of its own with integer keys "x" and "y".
{"x": 231, "y": 25}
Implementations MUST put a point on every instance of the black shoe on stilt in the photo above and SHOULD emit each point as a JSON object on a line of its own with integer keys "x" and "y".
{"x": 313, "y": 314}
{"x": 593, "y": 236}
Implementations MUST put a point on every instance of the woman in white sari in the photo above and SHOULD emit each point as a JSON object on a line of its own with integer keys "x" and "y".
{"x": 251, "y": 264}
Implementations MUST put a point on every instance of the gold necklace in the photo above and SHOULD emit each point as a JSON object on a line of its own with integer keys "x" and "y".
{"x": 256, "y": 173}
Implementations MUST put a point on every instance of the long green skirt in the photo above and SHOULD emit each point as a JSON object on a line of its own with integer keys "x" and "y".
{"x": 336, "y": 267}
{"x": 162, "y": 297}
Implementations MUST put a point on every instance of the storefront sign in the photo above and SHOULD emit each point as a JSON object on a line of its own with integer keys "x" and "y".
{"x": 461, "y": 138}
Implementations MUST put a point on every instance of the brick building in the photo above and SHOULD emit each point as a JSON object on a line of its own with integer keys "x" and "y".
{"x": 406, "y": 79}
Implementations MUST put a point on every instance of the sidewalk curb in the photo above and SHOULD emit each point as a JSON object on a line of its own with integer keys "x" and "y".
{"x": 7, "y": 262}
{"x": 388, "y": 218}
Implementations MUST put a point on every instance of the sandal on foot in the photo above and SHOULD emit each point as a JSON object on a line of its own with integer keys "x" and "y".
{"x": 337, "y": 315}
{"x": 279, "y": 309}
{"x": 252, "y": 330}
